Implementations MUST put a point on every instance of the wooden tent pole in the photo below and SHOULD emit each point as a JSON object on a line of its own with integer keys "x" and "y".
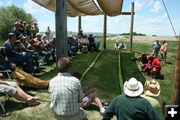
{"x": 61, "y": 29}
{"x": 176, "y": 88}
{"x": 79, "y": 24}
{"x": 105, "y": 31}
{"x": 131, "y": 27}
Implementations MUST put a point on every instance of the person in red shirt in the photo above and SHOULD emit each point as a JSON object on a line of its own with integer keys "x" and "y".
{"x": 154, "y": 65}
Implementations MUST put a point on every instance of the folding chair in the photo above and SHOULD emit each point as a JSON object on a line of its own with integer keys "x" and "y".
{"x": 7, "y": 72}
{"x": 3, "y": 101}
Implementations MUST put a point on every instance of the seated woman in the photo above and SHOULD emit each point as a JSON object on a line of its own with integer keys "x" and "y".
{"x": 12, "y": 89}
{"x": 22, "y": 76}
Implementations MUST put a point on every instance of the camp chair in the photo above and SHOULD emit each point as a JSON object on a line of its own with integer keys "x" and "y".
{"x": 7, "y": 72}
{"x": 2, "y": 102}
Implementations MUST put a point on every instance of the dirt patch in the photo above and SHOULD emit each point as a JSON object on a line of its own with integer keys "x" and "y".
{"x": 142, "y": 39}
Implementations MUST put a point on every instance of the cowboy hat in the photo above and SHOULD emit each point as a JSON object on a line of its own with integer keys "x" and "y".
{"x": 133, "y": 88}
{"x": 152, "y": 88}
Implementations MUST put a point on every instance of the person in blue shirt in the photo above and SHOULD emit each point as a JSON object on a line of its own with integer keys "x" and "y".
{"x": 156, "y": 48}
{"x": 18, "y": 57}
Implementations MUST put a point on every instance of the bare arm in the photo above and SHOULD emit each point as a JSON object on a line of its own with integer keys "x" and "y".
{"x": 3, "y": 82}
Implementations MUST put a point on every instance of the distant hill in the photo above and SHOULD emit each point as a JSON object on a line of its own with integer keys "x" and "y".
{"x": 86, "y": 33}
{"x": 134, "y": 33}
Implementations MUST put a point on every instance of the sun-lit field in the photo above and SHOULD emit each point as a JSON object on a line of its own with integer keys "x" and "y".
{"x": 111, "y": 69}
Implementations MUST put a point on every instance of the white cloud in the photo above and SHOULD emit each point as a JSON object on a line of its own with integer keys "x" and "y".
{"x": 140, "y": 4}
{"x": 156, "y": 7}
{"x": 148, "y": 3}
{"x": 7, "y": 3}
{"x": 43, "y": 26}
{"x": 154, "y": 26}
{"x": 33, "y": 8}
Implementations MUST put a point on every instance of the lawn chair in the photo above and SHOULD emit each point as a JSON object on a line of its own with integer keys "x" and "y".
{"x": 7, "y": 72}
{"x": 3, "y": 101}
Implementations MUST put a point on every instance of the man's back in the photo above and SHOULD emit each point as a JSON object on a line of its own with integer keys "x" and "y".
{"x": 130, "y": 108}
{"x": 66, "y": 93}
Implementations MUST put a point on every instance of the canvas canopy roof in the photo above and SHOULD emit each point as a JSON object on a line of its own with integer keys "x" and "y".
{"x": 86, "y": 7}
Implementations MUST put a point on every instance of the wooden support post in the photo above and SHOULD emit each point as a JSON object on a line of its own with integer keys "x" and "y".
{"x": 61, "y": 29}
{"x": 105, "y": 31}
{"x": 176, "y": 87}
{"x": 79, "y": 24}
{"x": 131, "y": 27}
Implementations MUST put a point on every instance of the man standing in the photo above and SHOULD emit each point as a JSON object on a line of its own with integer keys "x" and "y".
{"x": 48, "y": 33}
{"x": 156, "y": 48}
{"x": 66, "y": 94}
{"x": 129, "y": 105}
{"x": 34, "y": 29}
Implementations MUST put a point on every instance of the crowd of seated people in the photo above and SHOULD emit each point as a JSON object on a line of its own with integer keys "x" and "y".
{"x": 82, "y": 43}
{"x": 28, "y": 48}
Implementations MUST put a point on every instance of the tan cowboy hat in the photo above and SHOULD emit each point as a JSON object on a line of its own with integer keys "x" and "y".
{"x": 152, "y": 88}
{"x": 133, "y": 88}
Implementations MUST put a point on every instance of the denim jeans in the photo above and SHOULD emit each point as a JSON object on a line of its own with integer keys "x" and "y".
{"x": 46, "y": 54}
{"x": 27, "y": 58}
{"x": 155, "y": 52}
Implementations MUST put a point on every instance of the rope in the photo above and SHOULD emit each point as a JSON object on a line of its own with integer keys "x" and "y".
{"x": 170, "y": 19}
{"x": 119, "y": 72}
{"x": 90, "y": 66}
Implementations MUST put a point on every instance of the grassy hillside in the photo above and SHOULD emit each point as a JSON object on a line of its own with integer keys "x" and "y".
{"x": 104, "y": 75}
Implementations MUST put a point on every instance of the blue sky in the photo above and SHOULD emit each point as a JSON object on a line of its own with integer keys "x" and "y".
{"x": 150, "y": 18}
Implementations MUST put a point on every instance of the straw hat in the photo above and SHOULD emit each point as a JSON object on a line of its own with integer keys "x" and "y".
{"x": 133, "y": 88}
{"x": 152, "y": 88}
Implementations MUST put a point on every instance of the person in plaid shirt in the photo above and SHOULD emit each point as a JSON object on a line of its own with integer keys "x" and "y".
{"x": 66, "y": 94}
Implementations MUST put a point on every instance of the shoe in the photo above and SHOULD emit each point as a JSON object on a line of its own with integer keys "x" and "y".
{"x": 102, "y": 110}
{"x": 33, "y": 104}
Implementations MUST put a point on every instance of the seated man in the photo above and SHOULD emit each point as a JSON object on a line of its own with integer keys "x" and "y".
{"x": 66, "y": 94}
{"x": 129, "y": 105}
{"x": 22, "y": 76}
{"x": 17, "y": 57}
{"x": 12, "y": 89}
{"x": 116, "y": 45}
{"x": 92, "y": 44}
{"x": 39, "y": 47}
{"x": 122, "y": 46}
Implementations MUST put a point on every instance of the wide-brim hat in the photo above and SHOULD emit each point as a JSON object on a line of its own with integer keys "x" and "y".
{"x": 152, "y": 88}
{"x": 133, "y": 88}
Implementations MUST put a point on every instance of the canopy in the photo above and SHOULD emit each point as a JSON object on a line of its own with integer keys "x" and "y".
{"x": 86, "y": 7}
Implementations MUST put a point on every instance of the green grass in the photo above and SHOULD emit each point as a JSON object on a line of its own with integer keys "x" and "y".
{"x": 129, "y": 68}
{"x": 104, "y": 75}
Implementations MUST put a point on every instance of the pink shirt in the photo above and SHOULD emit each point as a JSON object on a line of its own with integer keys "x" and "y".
{"x": 164, "y": 48}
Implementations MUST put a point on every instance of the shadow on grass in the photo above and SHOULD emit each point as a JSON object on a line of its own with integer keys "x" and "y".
{"x": 12, "y": 106}
{"x": 92, "y": 107}
{"x": 129, "y": 68}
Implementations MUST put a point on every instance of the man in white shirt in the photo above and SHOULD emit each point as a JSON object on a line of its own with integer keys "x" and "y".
{"x": 66, "y": 94}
